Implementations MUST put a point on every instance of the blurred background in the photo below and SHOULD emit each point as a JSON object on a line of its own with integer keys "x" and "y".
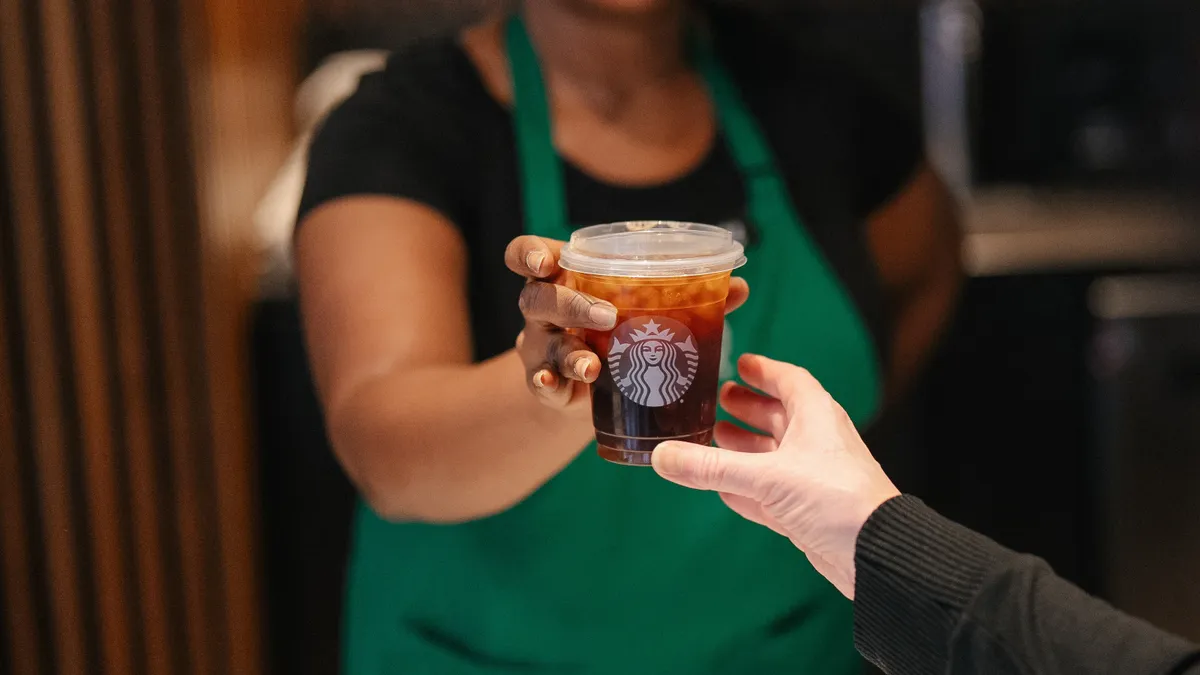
{"x": 168, "y": 502}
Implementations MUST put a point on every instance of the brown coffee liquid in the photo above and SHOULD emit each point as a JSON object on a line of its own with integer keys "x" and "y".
{"x": 661, "y": 363}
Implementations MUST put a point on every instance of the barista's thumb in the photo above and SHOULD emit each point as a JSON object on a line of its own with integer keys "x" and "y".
{"x": 707, "y": 468}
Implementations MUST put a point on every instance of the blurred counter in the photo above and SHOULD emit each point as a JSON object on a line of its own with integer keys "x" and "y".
{"x": 1012, "y": 231}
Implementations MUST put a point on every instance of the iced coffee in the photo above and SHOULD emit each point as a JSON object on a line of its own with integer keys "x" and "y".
{"x": 669, "y": 283}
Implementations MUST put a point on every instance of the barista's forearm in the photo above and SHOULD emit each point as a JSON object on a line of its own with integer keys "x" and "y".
{"x": 452, "y": 443}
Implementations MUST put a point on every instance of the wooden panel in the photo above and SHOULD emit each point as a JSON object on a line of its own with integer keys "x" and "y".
{"x": 129, "y": 537}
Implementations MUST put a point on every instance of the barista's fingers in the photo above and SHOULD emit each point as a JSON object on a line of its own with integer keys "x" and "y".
{"x": 572, "y": 358}
{"x": 739, "y": 292}
{"x": 550, "y": 388}
{"x": 533, "y": 257}
{"x": 556, "y": 305}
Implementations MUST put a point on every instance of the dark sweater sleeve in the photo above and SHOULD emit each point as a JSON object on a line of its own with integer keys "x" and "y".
{"x": 932, "y": 596}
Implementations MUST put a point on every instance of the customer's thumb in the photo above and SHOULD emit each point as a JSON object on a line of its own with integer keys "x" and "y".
{"x": 706, "y": 468}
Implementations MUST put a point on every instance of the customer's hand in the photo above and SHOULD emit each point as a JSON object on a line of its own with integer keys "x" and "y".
{"x": 558, "y": 364}
{"x": 812, "y": 479}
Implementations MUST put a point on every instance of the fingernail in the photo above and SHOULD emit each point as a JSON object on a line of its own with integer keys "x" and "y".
{"x": 534, "y": 261}
{"x": 666, "y": 460}
{"x": 581, "y": 368}
{"x": 603, "y": 315}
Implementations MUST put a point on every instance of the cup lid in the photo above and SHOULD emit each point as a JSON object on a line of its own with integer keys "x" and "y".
{"x": 652, "y": 248}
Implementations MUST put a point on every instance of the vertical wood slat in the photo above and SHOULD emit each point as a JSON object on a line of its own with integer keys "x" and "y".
{"x": 15, "y": 577}
{"x": 18, "y": 618}
{"x": 158, "y": 475}
{"x": 80, "y": 269}
{"x": 41, "y": 342}
{"x": 203, "y": 631}
{"x": 143, "y": 489}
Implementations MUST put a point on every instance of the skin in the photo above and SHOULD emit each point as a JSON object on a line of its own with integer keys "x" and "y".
{"x": 808, "y": 476}
{"x": 427, "y": 435}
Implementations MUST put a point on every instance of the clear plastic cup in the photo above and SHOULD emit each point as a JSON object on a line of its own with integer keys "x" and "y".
{"x": 669, "y": 282}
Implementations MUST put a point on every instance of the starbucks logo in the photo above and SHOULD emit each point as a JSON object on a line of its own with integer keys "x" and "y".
{"x": 653, "y": 360}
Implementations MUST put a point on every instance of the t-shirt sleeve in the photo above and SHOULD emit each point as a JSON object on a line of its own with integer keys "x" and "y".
{"x": 879, "y": 137}
{"x": 886, "y": 143}
{"x": 392, "y": 137}
{"x": 868, "y": 142}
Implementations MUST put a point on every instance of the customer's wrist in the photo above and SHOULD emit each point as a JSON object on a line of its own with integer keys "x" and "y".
{"x": 915, "y": 572}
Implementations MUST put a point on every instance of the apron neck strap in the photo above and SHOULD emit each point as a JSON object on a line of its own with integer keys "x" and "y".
{"x": 543, "y": 191}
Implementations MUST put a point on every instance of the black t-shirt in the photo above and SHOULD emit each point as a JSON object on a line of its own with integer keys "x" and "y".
{"x": 426, "y": 129}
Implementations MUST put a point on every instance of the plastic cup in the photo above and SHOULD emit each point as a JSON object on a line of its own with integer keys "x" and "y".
{"x": 669, "y": 282}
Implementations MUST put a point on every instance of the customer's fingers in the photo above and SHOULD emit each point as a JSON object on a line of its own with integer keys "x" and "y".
{"x": 706, "y": 468}
{"x": 572, "y": 359}
{"x": 792, "y": 385}
{"x": 739, "y": 292}
{"x": 556, "y": 305}
{"x": 533, "y": 257}
{"x": 735, "y": 438}
{"x": 760, "y": 412}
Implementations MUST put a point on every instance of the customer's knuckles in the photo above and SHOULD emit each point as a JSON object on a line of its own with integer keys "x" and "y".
{"x": 709, "y": 468}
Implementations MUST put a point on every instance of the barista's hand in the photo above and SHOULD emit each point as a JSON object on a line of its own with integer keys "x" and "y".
{"x": 812, "y": 479}
{"x": 558, "y": 364}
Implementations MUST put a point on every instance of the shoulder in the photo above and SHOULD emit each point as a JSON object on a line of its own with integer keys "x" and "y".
{"x": 409, "y": 130}
{"x": 826, "y": 119}
{"x": 428, "y": 83}
{"x": 768, "y": 52}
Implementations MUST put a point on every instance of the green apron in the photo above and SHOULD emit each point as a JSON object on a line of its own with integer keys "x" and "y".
{"x": 611, "y": 570}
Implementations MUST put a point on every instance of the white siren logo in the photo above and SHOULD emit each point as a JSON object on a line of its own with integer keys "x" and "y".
{"x": 653, "y": 360}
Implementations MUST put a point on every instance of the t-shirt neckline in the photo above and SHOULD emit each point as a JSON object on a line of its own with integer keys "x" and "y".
{"x": 710, "y": 160}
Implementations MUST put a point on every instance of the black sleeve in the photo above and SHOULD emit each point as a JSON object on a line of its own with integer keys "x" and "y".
{"x": 878, "y": 140}
{"x": 397, "y": 135}
{"x": 863, "y": 143}
{"x": 887, "y": 144}
{"x": 934, "y": 597}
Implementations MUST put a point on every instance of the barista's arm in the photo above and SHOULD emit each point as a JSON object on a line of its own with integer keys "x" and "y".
{"x": 915, "y": 240}
{"x": 424, "y": 433}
